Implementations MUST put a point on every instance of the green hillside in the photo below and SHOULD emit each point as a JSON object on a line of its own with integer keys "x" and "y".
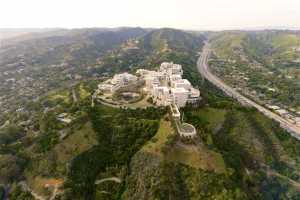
{"x": 241, "y": 155}
{"x": 267, "y": 62}
{"x": 227, "y": 44}
{"x": 120, "y": 153}
{"x": 267, "y": 46}
{"x": 171, "y": 39}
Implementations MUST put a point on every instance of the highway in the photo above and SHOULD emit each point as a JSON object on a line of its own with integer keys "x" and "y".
{"x": 204, "y": 70}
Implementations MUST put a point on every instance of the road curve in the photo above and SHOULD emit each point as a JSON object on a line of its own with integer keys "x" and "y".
{"x": 203, "y": 69}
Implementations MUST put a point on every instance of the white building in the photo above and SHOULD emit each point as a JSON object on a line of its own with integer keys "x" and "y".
{"x": 180, "y": 96}
{"x": 118, "y": 81}
{"x": 175, "y": 111}
{"x": 282, "y": 112}
{"x": 194, "y": 96}
{"x": 173, "y": 78}
{"x": 162, "y": 95}
{"x": 297, "y": 121}
{"x": 171, "y": 68}
{"x": 182, "y": 83}
{"x": 123, "y": 79}
{"x": 143, "y": 73}
{"x": 106, "y": 87}
{"x": 151, "y": 82}
{"x": 166, "y": 86}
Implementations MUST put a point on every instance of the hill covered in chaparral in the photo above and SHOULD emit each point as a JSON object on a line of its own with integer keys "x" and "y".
{"x": 56, "y": 144}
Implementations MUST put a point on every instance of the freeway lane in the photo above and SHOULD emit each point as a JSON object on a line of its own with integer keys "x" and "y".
{"x": 203, "y": 69}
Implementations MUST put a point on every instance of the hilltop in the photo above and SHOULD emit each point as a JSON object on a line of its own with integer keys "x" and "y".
{"x": 55, "y": 143}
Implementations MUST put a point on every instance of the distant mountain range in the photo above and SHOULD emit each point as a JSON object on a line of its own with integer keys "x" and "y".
{"x": 14, "y": 32}
{"x": 6, "y": 33}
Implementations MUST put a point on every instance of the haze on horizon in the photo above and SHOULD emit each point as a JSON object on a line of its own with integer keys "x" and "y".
{"x": 182, "y": 14}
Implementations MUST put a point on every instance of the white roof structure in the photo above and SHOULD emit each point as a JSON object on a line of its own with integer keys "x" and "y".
{"x": 151, "y": 81}
{"x": 145, "y": 73}
{"x": 282, "y": 112}
{"x": 160, "y": 90}
{"x": 273, "y": 107}
{"x": 162, "y": 95}
{"x": 175, "y": 77}
{"x": 194, "y": 93}
{"x": 123, "y": 78}
{"x": 180, "y": 96}
{"x": 105, "y": 86}
{"x": 179, "y": 90}
{"x": 118, "y": 81}
{"x": 108, "y": 87}
{"x": 182, "y": 83}
{"x": 171, "y": 68}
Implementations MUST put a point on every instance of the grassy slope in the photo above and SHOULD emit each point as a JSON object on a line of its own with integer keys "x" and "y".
{"x": 155, "y": 145}
{"x": 214, "y": 117}
{"x": 197, "y": 155}
{"x": 225, "y": 43}
{"x": 181, "y": 171}
{"x": 78, "y": 142}
{"x": 81, "y": 140}
{"x": 272, "y": 45}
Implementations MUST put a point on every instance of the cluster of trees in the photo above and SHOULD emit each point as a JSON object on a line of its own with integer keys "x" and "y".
{"x": 290, "y": 144}
{"x": 167, "y": 180}
{"x": 48, "y": 138}
{"x": 16, "y": 193}
{"x": 10, "y": 134}
{"x": 121, "y": 133}
{"x": 11, "y": 168}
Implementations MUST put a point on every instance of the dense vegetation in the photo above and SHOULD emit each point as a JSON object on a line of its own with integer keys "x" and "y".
{"x": 120, "y": 135}
{"x": 117, "y": 153}
{"x": 253, "y": 147}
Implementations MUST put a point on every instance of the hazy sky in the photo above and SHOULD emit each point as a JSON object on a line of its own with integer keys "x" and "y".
{"x": 185, "y": 14}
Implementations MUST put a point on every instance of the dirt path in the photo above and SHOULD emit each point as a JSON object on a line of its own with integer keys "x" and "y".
{"x": 55, "y": 192}
{"x": 25, "y": 187}
{"x": 292, "y": 182}
{"x": 271, "y": 172}
{"x": 74, "y": 95}
{"x": 51, "y": 183}
{"x": 115, "y": 179}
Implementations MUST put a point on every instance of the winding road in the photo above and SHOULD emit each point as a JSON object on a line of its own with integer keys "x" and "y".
{"x": 203, "y": 69}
